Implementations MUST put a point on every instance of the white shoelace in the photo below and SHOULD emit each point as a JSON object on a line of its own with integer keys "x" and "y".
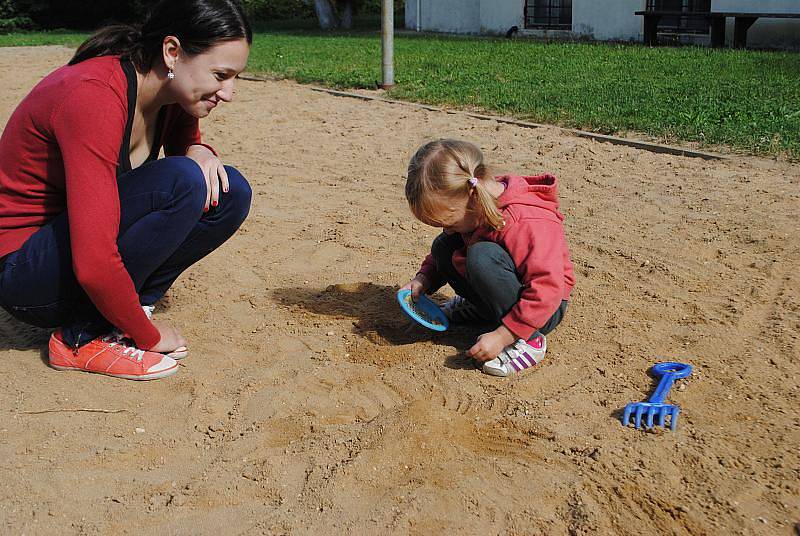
{"x": 115, "y": 339}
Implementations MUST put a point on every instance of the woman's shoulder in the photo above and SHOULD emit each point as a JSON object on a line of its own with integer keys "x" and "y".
{"x": 106, "y": 68}
{"x": 103, "y": 75}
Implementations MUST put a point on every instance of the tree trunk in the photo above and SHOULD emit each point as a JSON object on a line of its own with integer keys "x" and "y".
{"x": 346, "y": 12}
{"x": 326, "y": 15}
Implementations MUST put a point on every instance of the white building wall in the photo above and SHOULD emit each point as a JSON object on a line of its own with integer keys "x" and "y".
{"x": 498, "y": 16}
{"x": 597, "y": 19}
{"x": 457, "y": 16}
{"x": 608, "y": 20}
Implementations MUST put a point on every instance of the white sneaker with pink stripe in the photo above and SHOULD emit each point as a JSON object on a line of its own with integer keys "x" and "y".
{"x": 517, "y": 357}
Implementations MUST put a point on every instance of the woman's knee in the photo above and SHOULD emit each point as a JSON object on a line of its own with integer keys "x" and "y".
{"x": 189, "y": 180}
{"x": 239, "y": 195}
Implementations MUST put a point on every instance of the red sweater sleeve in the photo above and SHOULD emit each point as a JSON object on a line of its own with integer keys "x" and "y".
{"x": 429, "y": 270}
{"x": 89, "y": 128}
{"x": 537, "y": 248}
{"x": 184, "y": 132}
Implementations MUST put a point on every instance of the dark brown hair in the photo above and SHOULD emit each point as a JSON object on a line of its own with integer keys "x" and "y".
{"x": 198, "y": 24}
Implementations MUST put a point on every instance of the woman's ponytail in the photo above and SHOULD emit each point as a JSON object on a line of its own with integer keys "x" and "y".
{"x": 117, "y": 40}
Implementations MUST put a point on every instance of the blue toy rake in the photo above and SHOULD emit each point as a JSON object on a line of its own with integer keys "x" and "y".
{"x": 669, "y": 372}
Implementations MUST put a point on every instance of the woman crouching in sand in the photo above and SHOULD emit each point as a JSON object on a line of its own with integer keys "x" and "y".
{"x": 94, "y": 228}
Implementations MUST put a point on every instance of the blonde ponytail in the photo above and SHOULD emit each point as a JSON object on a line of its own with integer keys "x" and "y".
{"x": 445, "y": 168}
{"x": 488, "y": 206}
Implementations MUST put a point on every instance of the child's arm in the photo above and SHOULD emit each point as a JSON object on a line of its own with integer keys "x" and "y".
{"x": 429, "y": 271}
{"x": 538, "y": 253}
{"x": 427, "y": 279}
{"x": 418, "y": 285}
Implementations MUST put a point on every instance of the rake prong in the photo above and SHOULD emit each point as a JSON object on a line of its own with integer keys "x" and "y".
{"x": 626, "y": 417}
{"x": 639, "y": 412}
{"x": 656, "y": 405}
{"x": 674, "y": 421}
{"x": 651, "y": 412}
{"x": 662, "y": 416}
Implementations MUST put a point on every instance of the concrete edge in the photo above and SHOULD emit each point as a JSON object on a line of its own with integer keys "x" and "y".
{"x": 602, "y": 138}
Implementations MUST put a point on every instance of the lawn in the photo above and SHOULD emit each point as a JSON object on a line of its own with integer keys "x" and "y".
{"x": 746, "y": 100}
{"x": 59, "y": 37}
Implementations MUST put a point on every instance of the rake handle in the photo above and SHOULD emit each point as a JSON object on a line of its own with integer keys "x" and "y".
{"x": 669, "y": 372}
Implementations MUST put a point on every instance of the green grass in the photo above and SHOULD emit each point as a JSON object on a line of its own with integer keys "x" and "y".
{"x": 746, "y": 100}
{"x": 55, "y": 37}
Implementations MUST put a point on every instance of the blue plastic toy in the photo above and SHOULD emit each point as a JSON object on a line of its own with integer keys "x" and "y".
{"x": 669, "y": 372}
{"x": 424, "y": 311}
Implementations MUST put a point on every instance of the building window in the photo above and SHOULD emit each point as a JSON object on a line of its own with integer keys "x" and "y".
{"x": 678, "y": 24}
{"x": 548, "y": 14}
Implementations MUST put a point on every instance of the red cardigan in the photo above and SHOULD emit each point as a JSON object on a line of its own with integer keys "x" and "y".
{"x": 61, "y": 150}
{"x": 534, "y": 237}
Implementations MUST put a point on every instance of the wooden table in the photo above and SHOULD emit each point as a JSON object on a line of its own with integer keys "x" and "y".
{"x": 742, "y": 23}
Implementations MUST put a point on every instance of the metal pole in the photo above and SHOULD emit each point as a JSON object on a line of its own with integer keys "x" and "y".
{"x": 419, "y": 15}
{"x": 387, "y": 43}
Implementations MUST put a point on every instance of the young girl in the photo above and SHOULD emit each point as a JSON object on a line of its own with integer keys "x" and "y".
{"x": 502, "y": 250}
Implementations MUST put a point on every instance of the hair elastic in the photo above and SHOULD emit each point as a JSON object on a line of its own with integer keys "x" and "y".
{"x": 473, "y": 181}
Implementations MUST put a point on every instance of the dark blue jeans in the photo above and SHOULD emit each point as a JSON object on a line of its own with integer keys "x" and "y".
{"x": 163, "y": 230}
{"x": 492, "y": 283}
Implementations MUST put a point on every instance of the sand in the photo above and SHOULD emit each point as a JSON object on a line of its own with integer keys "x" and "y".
{"x": 311, "y": 405}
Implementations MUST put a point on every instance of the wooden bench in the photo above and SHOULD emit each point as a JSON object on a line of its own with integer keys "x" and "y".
{"x": 742, "y": 23}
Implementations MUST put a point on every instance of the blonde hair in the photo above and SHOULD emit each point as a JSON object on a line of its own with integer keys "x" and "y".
{"x": 444, "y": 168}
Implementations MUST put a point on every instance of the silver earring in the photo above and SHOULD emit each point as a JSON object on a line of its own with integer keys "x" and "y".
{"x": 171, "y": 75}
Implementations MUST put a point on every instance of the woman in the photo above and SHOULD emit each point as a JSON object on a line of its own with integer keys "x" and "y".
{"x": 93, "y": 227}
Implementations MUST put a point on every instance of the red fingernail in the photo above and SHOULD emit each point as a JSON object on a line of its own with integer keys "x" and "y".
{"x": 214, "y": 204}
{"x": 205, "y": 209}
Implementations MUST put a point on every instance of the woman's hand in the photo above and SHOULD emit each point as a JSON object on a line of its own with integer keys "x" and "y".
{"x": 170, "y": 341}
{"x": 418, "y": 285}
{"x": 213, "y": 171}
{"x": 490, "y": 344}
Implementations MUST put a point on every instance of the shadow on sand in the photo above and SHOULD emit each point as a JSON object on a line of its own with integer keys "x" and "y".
{"x": 376, "y": 316}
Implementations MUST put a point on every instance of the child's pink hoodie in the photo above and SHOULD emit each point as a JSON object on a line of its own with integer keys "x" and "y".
{"x": 534, "y": 237}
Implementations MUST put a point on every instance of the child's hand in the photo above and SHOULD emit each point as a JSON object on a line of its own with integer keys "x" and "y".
{"x": 417, "y": 286}
{"x": 490, "y": 344}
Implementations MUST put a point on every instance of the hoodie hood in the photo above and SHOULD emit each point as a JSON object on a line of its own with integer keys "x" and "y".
{"x": 537, "y": 191}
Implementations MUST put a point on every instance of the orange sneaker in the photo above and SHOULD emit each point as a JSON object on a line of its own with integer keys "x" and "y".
{"x": 110, "y": 355}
